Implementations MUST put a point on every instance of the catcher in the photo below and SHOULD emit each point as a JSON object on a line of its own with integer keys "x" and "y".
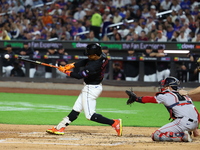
{"x": 181, "y": 108}
{"x": 92, "y": 72}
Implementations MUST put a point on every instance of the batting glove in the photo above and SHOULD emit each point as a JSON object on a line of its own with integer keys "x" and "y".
{"x": 69, "y": 66}
{"x": 62, "y": 69}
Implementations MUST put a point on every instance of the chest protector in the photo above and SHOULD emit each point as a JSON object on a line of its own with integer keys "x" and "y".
{"x": 182, "y": 100}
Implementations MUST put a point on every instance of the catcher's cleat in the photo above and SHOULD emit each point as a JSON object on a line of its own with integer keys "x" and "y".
{"x": 186, "y": 137}
{"x": 117, "y": 125}
{"x": 55, "y": 131}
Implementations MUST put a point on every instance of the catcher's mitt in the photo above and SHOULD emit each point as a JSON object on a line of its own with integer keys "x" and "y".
{"x": 132, "y": 97}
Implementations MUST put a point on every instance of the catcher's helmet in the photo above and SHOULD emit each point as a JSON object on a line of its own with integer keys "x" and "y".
{"x": 170, "y": 81}
{"x": 93, "y": 49}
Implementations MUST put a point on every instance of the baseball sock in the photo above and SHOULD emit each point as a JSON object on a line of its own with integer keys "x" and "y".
{"x": 72, "y": 116}
{"x": 68, "y": 119}
{"x": 101, "y": 119}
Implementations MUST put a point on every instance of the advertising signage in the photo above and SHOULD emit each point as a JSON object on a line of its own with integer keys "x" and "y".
{"x": 71, "y": 45}
{"x": 142, "y": 45}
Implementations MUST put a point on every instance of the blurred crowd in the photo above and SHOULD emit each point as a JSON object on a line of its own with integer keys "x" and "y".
{"x": 69, "y": 19}
{"x": 90, "y": 20}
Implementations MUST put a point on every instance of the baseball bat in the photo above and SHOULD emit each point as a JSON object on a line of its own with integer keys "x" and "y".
{"x": 36, "y": 62}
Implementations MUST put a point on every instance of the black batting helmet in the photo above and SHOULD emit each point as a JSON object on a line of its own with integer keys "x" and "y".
{"x": 172, "y": 82}
{"x": 93, "y": 49}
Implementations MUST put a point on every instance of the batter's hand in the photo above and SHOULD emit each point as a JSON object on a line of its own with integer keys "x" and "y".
{"x": 62, "y": 69}
{"x": 183, "y": 92}
{"x": 132, "y": 97}
{"x": 69, "y": 66}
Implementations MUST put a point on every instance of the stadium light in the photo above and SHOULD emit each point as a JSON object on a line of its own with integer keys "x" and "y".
{"x": 177, "y": 51}
{"x": 163, "y": 13}
{"x": 53, "y": 39}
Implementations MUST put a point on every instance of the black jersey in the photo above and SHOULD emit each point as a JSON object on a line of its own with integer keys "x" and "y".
{"x": 131, "y": 68}
{"x": 93, "y": 71}
{"x": 149, "y": 66}
{"x": 162, "y": 65}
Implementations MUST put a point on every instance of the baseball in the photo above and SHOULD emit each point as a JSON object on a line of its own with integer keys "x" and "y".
{"x": 6, "y": 56}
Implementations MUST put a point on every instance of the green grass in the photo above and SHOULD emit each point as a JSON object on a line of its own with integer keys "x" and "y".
{"x": 39, "y": 109}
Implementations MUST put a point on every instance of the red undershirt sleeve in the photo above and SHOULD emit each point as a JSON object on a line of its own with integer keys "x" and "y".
{"x": 149, "y": 99}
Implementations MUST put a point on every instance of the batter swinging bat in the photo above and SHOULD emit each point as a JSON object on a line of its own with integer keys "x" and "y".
{"x": 36, "y": 62}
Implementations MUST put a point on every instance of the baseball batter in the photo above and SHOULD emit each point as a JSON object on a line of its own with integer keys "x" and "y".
{"x": 93, "y": 74}
{"x": 181, "y": 108}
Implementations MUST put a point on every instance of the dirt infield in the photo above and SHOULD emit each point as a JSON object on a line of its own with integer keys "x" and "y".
{"x": 25, "y": 137}
{"x": 34, "y": 137}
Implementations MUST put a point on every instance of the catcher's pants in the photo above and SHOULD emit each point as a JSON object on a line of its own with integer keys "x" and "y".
{"x": 176, "y": 126}
{"x": 86, "y": 101}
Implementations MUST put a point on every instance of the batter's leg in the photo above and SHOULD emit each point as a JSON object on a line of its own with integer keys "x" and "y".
{"x": 89, "y": 96}
{"x": 73, "y": 115}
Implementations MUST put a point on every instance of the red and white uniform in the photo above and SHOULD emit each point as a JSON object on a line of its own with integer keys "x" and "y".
{"x": 181, "y": 109}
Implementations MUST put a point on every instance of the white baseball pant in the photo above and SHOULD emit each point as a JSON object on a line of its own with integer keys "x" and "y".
{"x": 86, "y": 101}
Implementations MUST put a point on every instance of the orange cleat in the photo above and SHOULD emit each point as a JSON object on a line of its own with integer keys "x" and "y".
{"x": 55, "y": 131}
{"x": 117, "y": 125}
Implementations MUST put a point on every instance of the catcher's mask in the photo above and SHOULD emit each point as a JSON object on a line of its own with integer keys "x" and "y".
{"x": 93, "y": 49}
{"x": 169, "y": 81}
